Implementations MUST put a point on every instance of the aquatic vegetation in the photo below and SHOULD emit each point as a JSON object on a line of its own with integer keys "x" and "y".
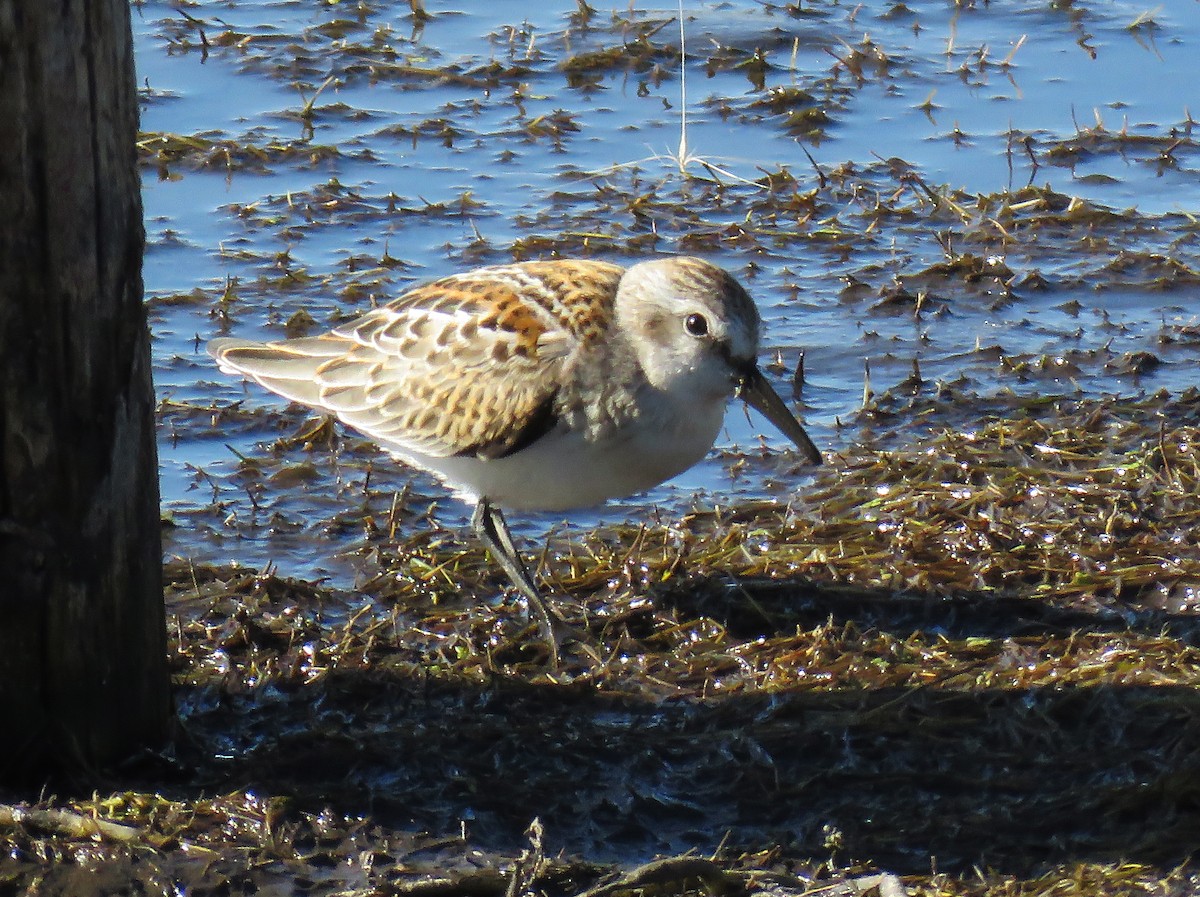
{"x": 961, "y": 659}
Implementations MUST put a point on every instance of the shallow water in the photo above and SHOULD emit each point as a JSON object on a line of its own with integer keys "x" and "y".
{"x": 472, "y": 140}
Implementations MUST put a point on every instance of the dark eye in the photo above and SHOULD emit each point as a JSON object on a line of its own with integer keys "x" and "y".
{"x": 697, "y": 325}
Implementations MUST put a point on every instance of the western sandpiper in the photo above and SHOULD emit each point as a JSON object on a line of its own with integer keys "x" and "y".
{"x": 540, "y": 385}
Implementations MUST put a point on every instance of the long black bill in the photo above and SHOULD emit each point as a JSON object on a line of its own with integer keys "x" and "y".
{"x": 756, "y": 392}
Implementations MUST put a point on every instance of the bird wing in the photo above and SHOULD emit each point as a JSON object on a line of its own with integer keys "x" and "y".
{"x": 467, "y": 365}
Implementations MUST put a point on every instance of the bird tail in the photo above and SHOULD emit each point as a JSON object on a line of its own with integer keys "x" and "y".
{"x": 288, "y": 368}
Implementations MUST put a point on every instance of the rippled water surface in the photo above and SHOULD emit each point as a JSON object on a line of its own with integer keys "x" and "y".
{"x": 1003, "y": 195}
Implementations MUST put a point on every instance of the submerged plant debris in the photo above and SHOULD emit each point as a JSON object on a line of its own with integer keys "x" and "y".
{"x": 961, "y": 658}
{"x": 978, "y": 646}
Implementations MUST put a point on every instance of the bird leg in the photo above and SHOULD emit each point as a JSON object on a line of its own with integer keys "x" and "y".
{"x": 493, "y": 532}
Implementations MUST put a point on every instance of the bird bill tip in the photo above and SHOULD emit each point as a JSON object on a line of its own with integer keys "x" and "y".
{"x": 756, "y": 392}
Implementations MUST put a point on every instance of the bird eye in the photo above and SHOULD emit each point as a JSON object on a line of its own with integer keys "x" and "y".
{"x": 697, "y": 325}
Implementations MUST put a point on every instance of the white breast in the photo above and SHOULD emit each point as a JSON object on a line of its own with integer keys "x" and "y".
{"x": 565, "y": 470}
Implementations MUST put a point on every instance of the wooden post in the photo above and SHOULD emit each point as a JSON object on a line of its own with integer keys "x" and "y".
{"x": 83, "y": 678}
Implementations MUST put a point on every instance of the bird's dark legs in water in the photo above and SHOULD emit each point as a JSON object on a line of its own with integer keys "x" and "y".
{"x": 493, "y": 532}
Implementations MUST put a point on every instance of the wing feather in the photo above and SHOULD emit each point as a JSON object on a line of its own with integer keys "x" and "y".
{"x": 470, "y": 364}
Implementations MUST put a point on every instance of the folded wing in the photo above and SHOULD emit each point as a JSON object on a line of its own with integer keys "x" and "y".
{"x": 447, "y": 369}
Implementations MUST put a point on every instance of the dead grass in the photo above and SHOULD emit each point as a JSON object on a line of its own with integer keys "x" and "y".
{"x": 978, "y": 647}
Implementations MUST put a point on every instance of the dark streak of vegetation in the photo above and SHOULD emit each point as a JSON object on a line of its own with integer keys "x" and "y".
{"x": 961, "y": 659}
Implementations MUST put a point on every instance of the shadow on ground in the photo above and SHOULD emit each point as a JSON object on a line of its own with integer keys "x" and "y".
{"x": 971, "y": 775}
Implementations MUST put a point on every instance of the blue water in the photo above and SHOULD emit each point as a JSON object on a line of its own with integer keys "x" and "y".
{"x": 946, "y": 101}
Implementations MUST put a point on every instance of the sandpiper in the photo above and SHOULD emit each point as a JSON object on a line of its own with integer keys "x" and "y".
{"x": 539, "y": 385}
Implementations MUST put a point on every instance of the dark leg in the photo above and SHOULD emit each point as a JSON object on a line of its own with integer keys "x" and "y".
{"x": 494, "y": 534}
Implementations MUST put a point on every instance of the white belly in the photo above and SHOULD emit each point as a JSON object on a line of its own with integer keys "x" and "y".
{"x": 564, "y": 470}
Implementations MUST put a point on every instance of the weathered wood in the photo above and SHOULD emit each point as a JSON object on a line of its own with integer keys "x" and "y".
{"x": 83, "y": 677}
